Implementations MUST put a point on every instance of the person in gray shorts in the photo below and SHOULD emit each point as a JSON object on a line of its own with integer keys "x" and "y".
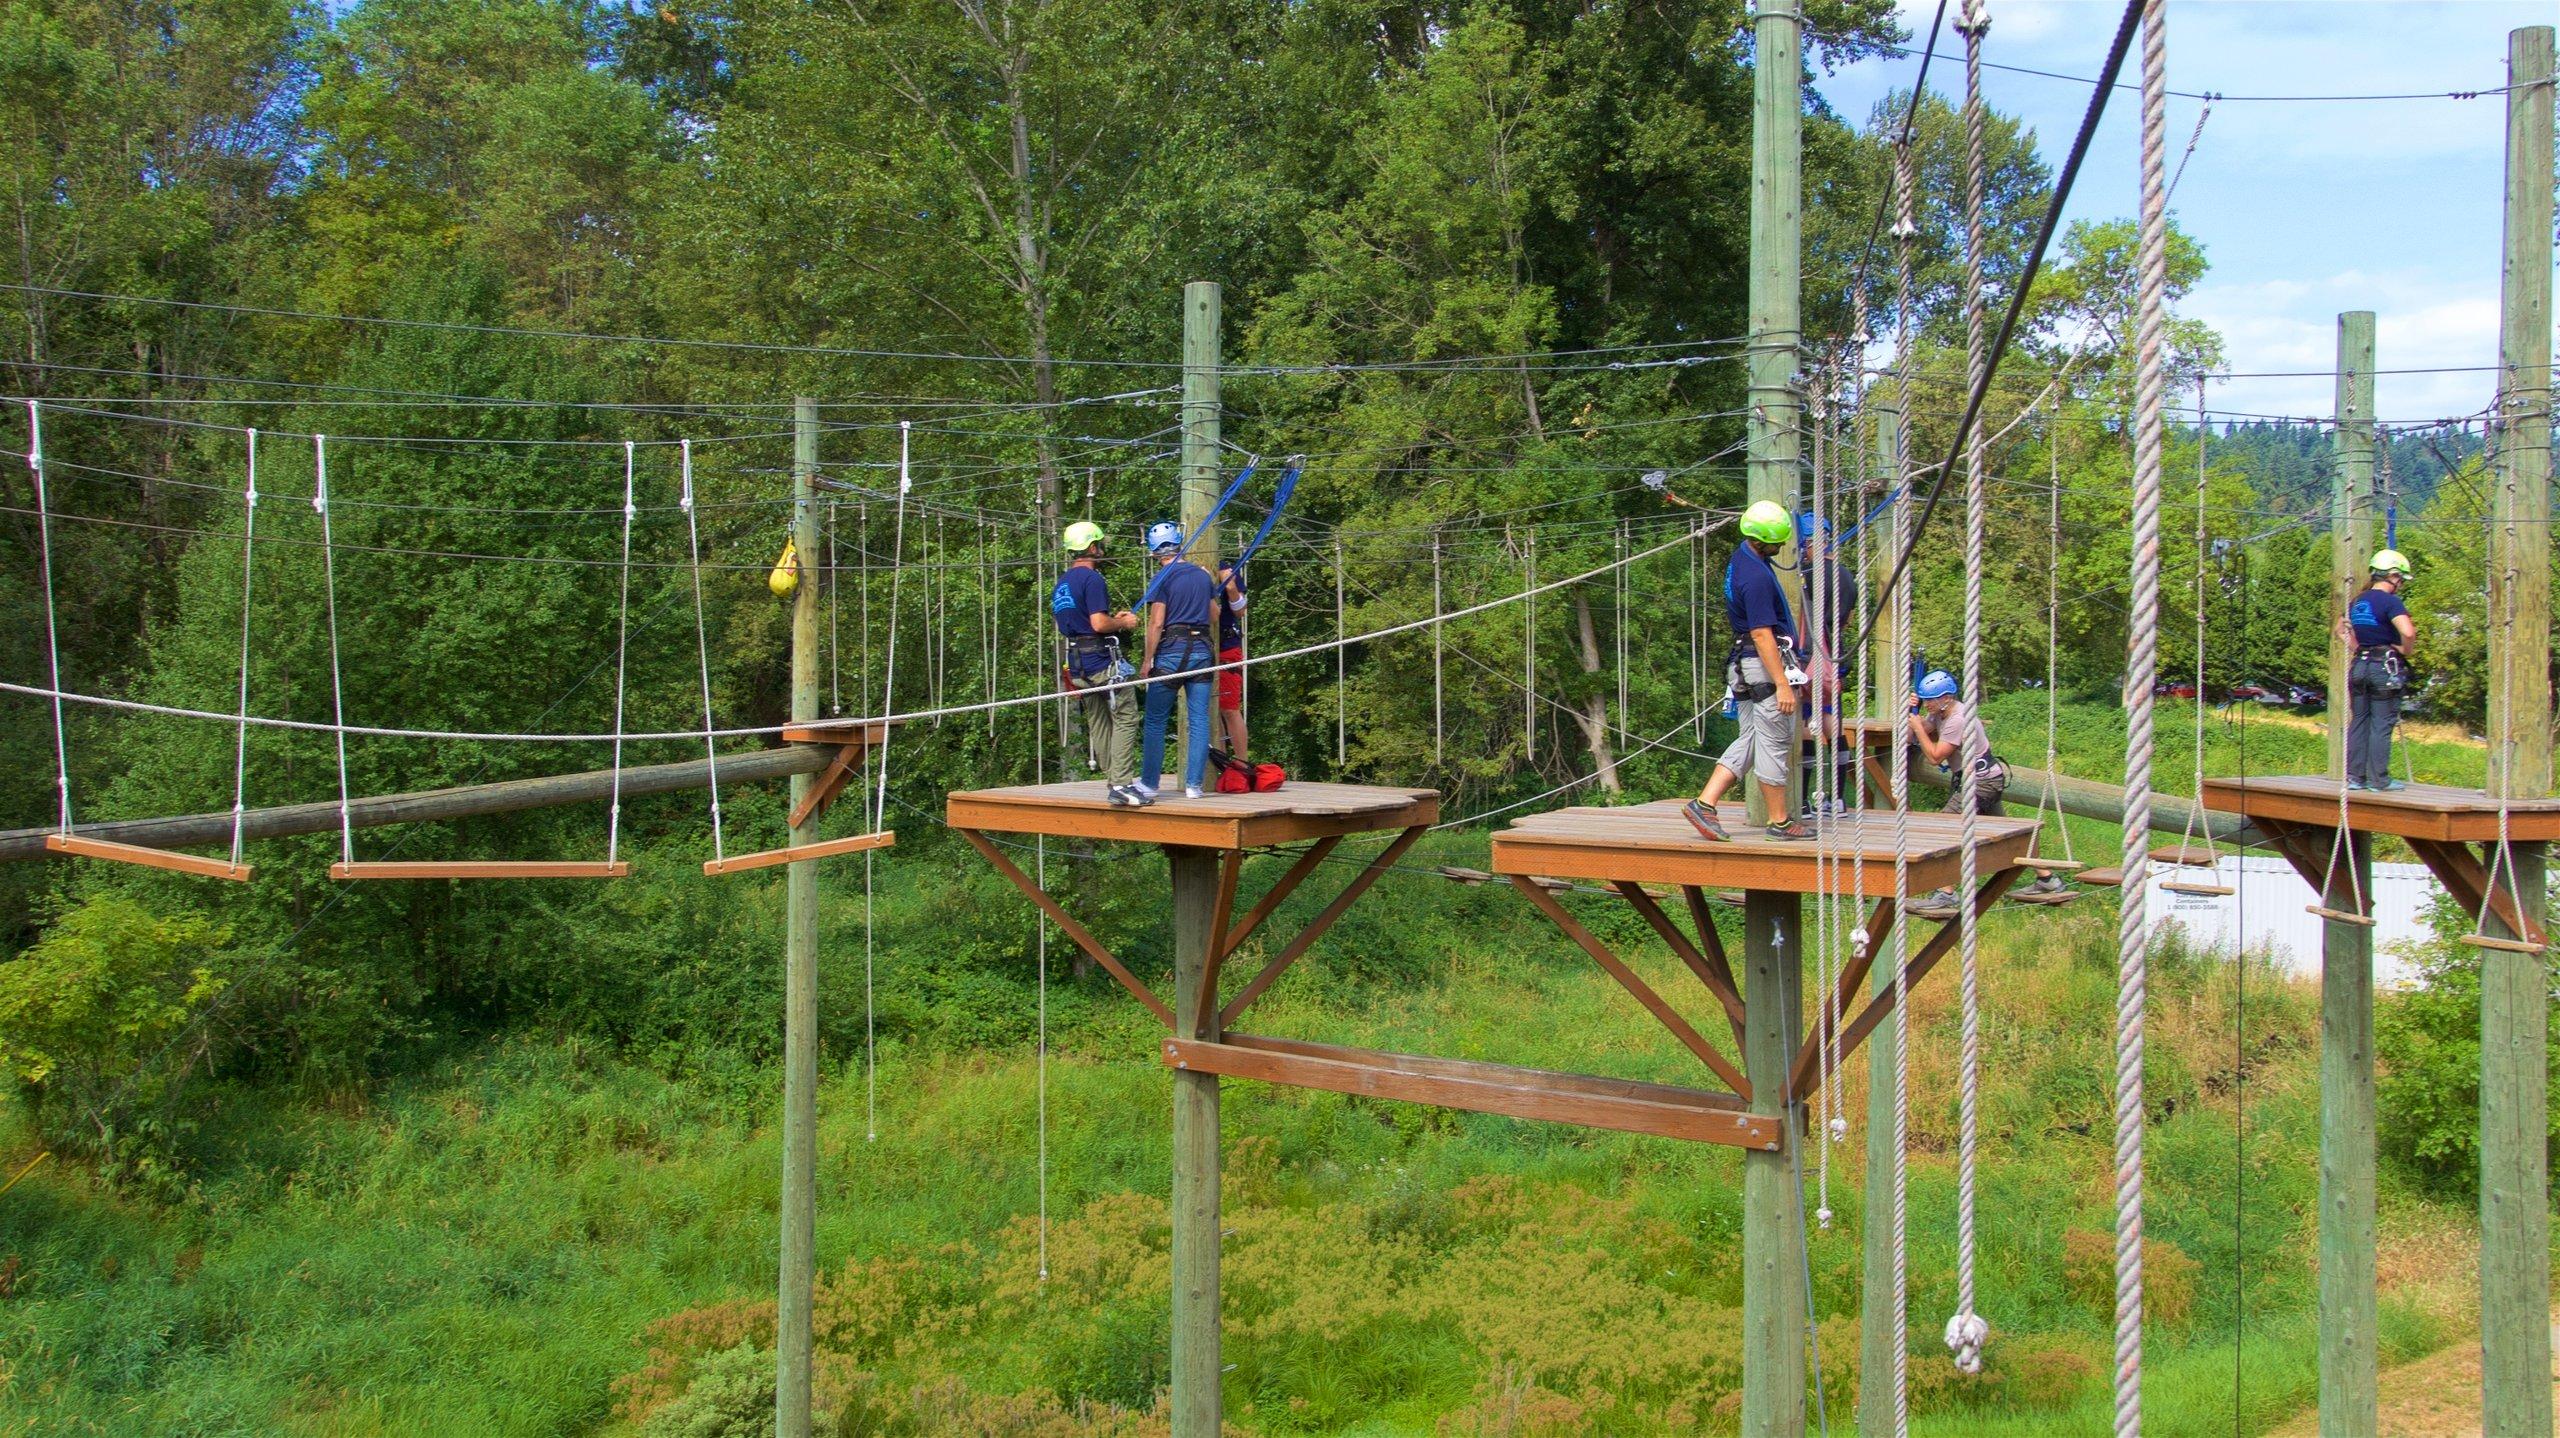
{"x": 1764, "y": 673}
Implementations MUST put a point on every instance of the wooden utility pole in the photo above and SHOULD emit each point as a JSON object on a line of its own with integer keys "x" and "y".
{"x": 1875, "y": 1307}
{"x": 1777, "y": 299}
{"x": 2350, "y": 507}
{"x": 1773, "y": 1296}
{"x": 1196, "y": 1368}
{"x": 800, "y": 976}
{"x": 2347, "y": 1353}
{"x": 2515, "y": 1260}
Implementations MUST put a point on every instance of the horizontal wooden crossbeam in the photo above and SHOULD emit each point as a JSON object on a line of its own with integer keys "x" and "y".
{"x": 1585, "y": 1100}
{"x": 800, "y": 853}
{"x": 477, "y": 869}
{"x": 88, "y": 848}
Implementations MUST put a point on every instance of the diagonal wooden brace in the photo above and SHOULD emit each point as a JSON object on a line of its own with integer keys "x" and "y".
{"x": 1230, "y": 868}
{"x": 2466, "y": 877}
{"x": 829, "y": 783}
{"x": 1718, "y": 984}
{"x": 2305, "y": 846}
{"x": 1083, "y": 938}
{"x": 1627, "y": 979}
{"x": 1315, "y": 928}
{"x": 1854, "y": 1033}
{"x": 1270, "y": 902}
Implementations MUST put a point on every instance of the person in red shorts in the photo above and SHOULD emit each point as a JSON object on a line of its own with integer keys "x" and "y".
{"x": 1231, "y": 651}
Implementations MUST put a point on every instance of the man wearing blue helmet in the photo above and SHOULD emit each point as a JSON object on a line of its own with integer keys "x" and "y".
{"x": 1181, "y": 604}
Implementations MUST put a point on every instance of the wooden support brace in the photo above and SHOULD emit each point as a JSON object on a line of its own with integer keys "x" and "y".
{"x": 800, "y": 853}
{"x": 829, "y": 783}
{"x": 1720, "y": 985}
{"x": 1315, "y": 928}
{"x": 88, "y": 848}
{"x": 1711, "y": 944}
{"x": 2466, "y": 877}
{"x": 1855, "y": 1032}
{"x": 1066, "y": 923}
{"x": 1230, "y": 868}
{"x": 475, "y": 869}
{"x": 1628, "y": 979}
{"x": 2304, "y": 847}
{"x": 1580, "y": 1099}
{"x": 1279, "y": 892}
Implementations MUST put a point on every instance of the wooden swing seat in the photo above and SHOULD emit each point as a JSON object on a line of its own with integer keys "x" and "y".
{"x": 2341, "y": 916}
{"x": 2107, "y": 878}
{"x": 150, "y": 858}
{"x": 2051, "y": 866}
{"x": 801, "y": 853}
{"x": 477, "y": 869}
{"x": 2185, "y": 856}
{"x": 2047, "y": 900}
{"x": 2201, "y": 889}
{"x": 2504, "y": 946}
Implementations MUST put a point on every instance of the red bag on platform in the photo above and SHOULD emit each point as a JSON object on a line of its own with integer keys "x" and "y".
{"x": 1267, "y": 778}
{"x": 1233, "y": 780}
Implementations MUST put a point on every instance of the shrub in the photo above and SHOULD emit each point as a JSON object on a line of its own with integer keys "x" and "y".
{"x": 2168, "y": 1276}
{"x": 731, "y": 1396}
{"x": 2427, "y": 1041}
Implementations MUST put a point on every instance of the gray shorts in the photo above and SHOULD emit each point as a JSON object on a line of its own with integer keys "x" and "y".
{"x": 1767, "y": 743}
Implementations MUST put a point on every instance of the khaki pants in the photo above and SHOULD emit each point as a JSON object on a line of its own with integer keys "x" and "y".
{"x": 1111, "y": 730}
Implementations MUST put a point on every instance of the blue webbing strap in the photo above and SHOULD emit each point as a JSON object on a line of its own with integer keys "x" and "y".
{"x": 1280, "y": 493}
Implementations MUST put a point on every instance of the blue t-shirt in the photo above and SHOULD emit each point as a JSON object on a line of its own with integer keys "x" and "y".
{"x": 1080, "y": 595}
{"x": 1187, "y": 592}
{"x": 1752, "y": 598}
{"x": 2372, "y": 614}
{"x": 1231, "y": 617}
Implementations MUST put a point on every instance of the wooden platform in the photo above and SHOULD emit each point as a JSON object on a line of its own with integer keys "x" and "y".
{"x": 1294, "y": 814}
{"x": 1653, "y": 844}
{"x": 2420, "y": 811}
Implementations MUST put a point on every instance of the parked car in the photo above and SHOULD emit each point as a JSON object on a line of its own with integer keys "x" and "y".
{"x": 2255, "y": 693}
{"x": 2305, "y": 696}
{"x": 2174, "y": 689}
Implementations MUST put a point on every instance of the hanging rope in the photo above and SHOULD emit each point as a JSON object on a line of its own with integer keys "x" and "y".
{"x": 880, "y": 800}
{"x": 1826, "y": 861}
{"x": 701, "y": 636}
{"x": 1439, "y": 719}
{"x": 2133, "y": 935}
{"x": 1529, "y": 648}
{"x": 622, "y": 648}
{"x": 52, "y": 632}
{"x": 240, "y": 738}
{"x": 1341, "y": 676}
{"x": 1966, "y": 1332}
{"x": 1906, "y": 228}
{"x": 2053, "y": 646}
{"x": 337, "y": 680}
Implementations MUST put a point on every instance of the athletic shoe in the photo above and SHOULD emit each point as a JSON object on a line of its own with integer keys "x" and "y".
{"x": 1123, "y": 796}
{"x": 1146, "y": 792}
{"x": 1704, "y": 820}
{"x": 2357, "y": 786}
{"x": 2047, "y": 884}
{"x": 2390, "y": 785}
{"x": 1792, "y": 829}
{"x": 1941, "y": 902}
{"x": 1190, "y": 791}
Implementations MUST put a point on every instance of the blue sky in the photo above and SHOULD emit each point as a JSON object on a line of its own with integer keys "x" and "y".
{"x": 2304, "y": 208}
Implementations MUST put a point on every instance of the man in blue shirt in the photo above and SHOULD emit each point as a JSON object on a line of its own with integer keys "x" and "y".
{"x": 1181, "y": 603}
{"x": 2379, "y": 627}
{"x": 1763, "y": 672}
{"x": 1081, "y": 605}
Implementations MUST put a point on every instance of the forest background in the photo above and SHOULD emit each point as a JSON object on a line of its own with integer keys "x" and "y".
{"x": 1482, "y": 267}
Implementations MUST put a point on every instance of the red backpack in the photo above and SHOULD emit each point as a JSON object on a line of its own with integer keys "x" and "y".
{"x": 1244, "y": 776}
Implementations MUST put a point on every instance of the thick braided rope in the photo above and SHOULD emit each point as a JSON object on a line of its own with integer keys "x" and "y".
{"x": 1965, "y": 1329}
{"x": 1827, "y": 862}
{"x": 248, "y": 579}
{"x": 1904, "y": 230}
{"x": 2132, "y": 932}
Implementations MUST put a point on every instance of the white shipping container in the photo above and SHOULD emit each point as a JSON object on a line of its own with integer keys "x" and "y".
{"x": 2269, "y": 911}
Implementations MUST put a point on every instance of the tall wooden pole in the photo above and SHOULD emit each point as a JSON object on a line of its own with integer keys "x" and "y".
{"x": 800, "y": 978}
{"x": 1875, "y": 1307}
{"x": 1196, "y": 1407}
{"x": 1773, "y": 1255}
{"x": 1777, "y": 300}
{"x": 1200, "y": 415}
{"x": 2351, "y": 508}
{"x": 2347, "y": 1354}
{"x": 2515, "y": 1260}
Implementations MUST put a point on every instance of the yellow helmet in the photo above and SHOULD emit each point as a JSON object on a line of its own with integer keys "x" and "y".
{"x": 1767, "y": 521}
{"x": 2391, "y": 561}
{"x": 1082, "y": 535}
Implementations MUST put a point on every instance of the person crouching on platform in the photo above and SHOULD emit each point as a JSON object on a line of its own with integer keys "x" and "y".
{"x": 1948, "y": 732}
{"x": 1181, "y": 603}
{"x": 1081, "y": 605}
{"x": 1764, "y": 674}
{"x": 2379, "y": 627}
{"x": 1231, "y": 651}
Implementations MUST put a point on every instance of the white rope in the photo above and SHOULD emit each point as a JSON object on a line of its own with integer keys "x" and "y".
{"x": 1040, "y": 928}
{"x": 1529, "y": 646}
{"x": 1966, "y": 1332}
{"x": 2053, "y": 644}
{"x": 337, "y": 679}
{"x": 622, "y": 656}
{"x": 701, "y": 639}
{"x": 2133, "y": 956}
{"x": 1341, "y": 695}
{"x": 240, "y": 741}
{"x": 1826, "y": 862}
{"x": 880, "y": 804}
{"x": 835, "y": 670}
{"x": 1623, "y": 587}
{"x": 2190, "y": 832}
{"x": 1439, "y": 716}
{"x": 52, "y": 633}
{"x": 1905, "y": 229}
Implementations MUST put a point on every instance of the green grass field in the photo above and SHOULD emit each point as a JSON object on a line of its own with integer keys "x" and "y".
{"x": 533, "y": 1236}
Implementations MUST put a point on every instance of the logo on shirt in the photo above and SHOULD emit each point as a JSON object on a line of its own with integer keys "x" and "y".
{"x": 1062, "y": 600}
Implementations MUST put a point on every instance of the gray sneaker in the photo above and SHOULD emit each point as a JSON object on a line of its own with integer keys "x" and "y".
{"x": 1123, "y": 796}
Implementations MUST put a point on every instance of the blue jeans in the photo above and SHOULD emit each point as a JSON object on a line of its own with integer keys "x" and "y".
{"x": 1186, "y": 663}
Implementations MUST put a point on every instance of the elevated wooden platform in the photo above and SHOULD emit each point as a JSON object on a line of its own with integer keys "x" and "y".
{"x": 1651, "y": 843}
{"x": 1295, "y": 814}
{"x": 2420, "y": 811}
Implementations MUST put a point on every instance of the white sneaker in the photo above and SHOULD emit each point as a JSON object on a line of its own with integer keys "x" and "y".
{"x": 1190, "y": 791}
{"x": 1144, "y": 790}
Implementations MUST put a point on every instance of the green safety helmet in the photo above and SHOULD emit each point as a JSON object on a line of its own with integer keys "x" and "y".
{"x": 1082, "y": 535}
{"x": 1768, "y": 522}
{"x": 2391, "y": 561}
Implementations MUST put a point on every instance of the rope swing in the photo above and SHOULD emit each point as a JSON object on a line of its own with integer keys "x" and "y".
{"x": 2195, "y": 843}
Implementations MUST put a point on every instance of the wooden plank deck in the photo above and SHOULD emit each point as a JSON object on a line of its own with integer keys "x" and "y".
{"x": 1651, "y": 843}
{"x": 1295, "y": 813}
{"x": 2421, "y": 811}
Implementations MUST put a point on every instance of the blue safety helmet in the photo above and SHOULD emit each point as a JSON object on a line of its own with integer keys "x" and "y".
{"x": 1162, "y": 535}
{"x": 1809, "y": 524}
{"x": 1937, "y": 684}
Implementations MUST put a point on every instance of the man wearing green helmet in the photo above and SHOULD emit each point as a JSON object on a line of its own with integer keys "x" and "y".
{"x": 2379, "y": 627}
{"x": 1081, "y": 605}
{"x": 1763, "y": 671}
